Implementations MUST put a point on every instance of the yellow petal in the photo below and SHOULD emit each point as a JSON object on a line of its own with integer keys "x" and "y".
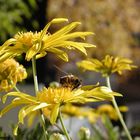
{"x": 56, "y": 20}
{"x": 28, "y": 109}
{"x": 66, "y": 29}
{"x": 33, "y": 51}
{"x": 9, "y": 107}
{"x": 77, "y": 45}
{"x": 31, "y": 118}
{"x": 75, "y": 35}
{"x": 21, "y": 95}
{"x": 123, "y": 108}
{"x": 87, "y": 65}
{"x": 89, "y": 87}
{"x": 6, "y": 56}
{"x": 54, "y": 113}
{"x": 15, "y": 130}
{"x": 42, "y": 54}
{"x": 61, "y": 54}
{"x": 103, "y": 93}
{"x": 7, "y": 44}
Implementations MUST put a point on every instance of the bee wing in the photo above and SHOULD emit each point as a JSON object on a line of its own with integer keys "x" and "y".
{"x": 89, "y": 87}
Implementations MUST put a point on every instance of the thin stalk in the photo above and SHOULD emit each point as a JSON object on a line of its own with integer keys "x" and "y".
{"x": 35, "y": 74}
{"x": 118, "y": 112}
{"x": 16, "y": 89}
{"x": 36, "y": 90}
{"x": 63, "y": 127}
{"x": 14, "y": 86}
{"x": 58, "y": 127}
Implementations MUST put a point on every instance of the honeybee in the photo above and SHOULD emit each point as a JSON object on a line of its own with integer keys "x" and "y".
{"x": 70, "y": 81}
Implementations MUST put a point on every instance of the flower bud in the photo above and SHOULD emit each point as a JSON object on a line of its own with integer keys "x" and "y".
{"x": 56, "y": 136}
{"x": 84, "y": 133}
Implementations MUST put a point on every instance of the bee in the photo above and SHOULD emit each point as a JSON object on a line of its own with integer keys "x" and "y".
{"x": 70, "y": 81}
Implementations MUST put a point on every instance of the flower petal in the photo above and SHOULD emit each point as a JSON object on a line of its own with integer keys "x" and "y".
{"x": 24, "y": 111}
{"x": 75, "y": 35}
{"x": 61, "y": 54}
{"x": 56, "y": 20}
{"x": 54, "y": 113}
{"x": 9, "y": 107}
{"x": 21, "y": 95}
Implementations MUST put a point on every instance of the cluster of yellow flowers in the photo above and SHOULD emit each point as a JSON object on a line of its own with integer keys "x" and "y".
{"x": 50, "y": 100}
{"x": 92, "y": 114}
{"x": 11, "y": 72}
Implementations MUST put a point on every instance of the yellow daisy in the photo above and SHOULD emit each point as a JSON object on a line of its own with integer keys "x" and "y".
{"x": 110, "y": 111}
{"x": 107, "y": 66}
{"x": 11, "y": 72}
{"x": 72, "y": 110}
{"x": 39, "y": 43}
{"x": 80, "y": 112}
{"x": 53, "y": 99}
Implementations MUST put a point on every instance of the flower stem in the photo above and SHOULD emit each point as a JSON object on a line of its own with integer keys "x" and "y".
{"x": 118, "y": 112}
{"x": 35, "y": 74}
{"x": 36, "y": 90}
{"x": 16, "y": 89}
{"x": 63, "y": 127}
{"x": 14, "y": 86}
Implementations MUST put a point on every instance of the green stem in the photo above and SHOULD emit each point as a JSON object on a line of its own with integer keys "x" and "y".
{"x": 58, "y": 127}
{"x": 14, "y": 86}
{"x": 118, "y": 112}
{"x": 35, "y": 75}
{"x": 63, "y": 127}
{"x": 36, "y": 90}
{"x": 16, "y": 89}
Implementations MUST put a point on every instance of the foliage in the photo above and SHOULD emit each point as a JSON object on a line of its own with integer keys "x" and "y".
{"x": 105, "y": 130}
{"x": 12, "y": 16}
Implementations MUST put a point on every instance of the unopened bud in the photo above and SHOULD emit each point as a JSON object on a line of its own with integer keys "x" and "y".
{"x": 84, "y": 133}
{"x": 57, "y": 136}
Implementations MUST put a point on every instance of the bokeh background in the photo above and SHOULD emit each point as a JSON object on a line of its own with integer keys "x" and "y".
{"x": 116, "y": 24}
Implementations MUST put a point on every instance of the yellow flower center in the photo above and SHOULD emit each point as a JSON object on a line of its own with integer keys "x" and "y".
{"x": 29, "y": 38}
{"x": 55, "y": 95}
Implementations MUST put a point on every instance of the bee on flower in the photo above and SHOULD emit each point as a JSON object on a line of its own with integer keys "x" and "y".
{"x": 53, "y": 98}
{"x": 11, "y": 72}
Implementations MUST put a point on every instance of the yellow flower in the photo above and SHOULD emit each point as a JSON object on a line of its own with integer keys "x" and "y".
{"x": 80, "y": 112}
{"x": 53, "y": 99}
{"x": 73, "y": 110}
{"x": 91, "y": 115}
{"x": 11, "y": 72}
{"x": 108, "y": 65}
{"x": 110, "y": 111}
{"x": 39, "y": 43}
{"x": 68, "y": 110}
